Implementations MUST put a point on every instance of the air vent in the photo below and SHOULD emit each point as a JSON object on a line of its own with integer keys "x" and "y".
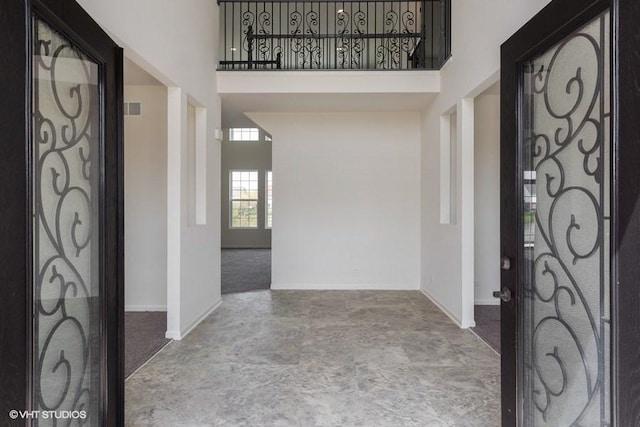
{"x": 132, "y": 109}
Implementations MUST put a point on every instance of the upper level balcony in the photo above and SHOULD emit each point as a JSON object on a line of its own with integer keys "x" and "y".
{"x": 334, "y": 35}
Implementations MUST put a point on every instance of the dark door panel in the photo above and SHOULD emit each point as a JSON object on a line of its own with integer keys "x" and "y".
{"x": 61, "y": 174}
{"x": 570, "y": 333}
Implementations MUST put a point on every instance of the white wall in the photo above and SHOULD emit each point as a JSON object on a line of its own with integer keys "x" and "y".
{"x": 478, "y": 30}
{"x": 487, "y": 198}
{"x": 176, "y": 42}
{"x": 346, "y": 200}
{"x": 145, "y": 175}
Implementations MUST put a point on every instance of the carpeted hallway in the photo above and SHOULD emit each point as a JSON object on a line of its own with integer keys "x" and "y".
{"x": 245, "y": 270}
{"x": 144, "y": 336}
{"x": 488, "y": 324}
{"x": 320, "y": 358}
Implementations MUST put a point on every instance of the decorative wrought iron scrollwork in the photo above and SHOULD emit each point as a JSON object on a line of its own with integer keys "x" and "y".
{"x": 66, "y": 126}
{"x": 567, "y": 144}
{"x": 313, "y": 21}
{"x": 360, "y": 22}
{"x": 348, "y": 35}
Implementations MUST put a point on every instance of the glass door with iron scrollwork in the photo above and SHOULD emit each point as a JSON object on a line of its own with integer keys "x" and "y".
{"x": 62, "y": 210}
{"x": 565, "y": 299}
{"x": 66, "y": 151}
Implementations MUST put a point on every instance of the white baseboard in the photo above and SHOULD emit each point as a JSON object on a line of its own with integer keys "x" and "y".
{"x": 342, "y": 287}
{"x": 178, "y": 335}
{"x": 492, "y": 301}
{"x": 462, "y": 325}
{"x": 245, "y": 247}
{"x": 173, "y": 335}
{"x": 468, "y": 324}
{"x": 147, "y": 362}
{"x": 145, "y": 308}
{"x": 485, "y": 342}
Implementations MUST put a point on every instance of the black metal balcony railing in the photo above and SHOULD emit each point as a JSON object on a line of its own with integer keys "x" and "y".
{"x": 333, "y": 35}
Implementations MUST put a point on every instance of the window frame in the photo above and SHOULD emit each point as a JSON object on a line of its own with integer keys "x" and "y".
{"x": 231, "y": 199}
{"x": 244, "y": 131}
{"x": 268, "y": 226}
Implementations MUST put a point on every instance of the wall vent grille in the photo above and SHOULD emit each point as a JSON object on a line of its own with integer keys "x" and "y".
{"x": 132, "y": 109}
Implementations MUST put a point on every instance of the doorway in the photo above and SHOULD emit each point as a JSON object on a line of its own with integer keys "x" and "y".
{"x": 487, "y": 215}
{"x": 247, "y": 209}
{"x": 145, "y": 173}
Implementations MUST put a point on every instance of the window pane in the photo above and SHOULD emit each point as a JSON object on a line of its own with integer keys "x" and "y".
{"x": 244, "y": 214}
{"x": 269, "y": 201}
{"x": 566, "y": 278}
{"x": 244, "y": 199}
{"x": 244, "y": 134}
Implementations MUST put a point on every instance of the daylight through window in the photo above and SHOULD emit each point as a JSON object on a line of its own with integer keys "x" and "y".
{"x": 269, "y": 200}
{"x": 244, "y": 199}
{"x": 244, "y": 134}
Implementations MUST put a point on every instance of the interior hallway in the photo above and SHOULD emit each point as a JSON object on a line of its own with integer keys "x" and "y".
{"x": 320, "y": 358}
{"x": 245, "y": 270}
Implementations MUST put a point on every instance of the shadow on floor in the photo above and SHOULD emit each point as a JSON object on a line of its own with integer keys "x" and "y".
{"x": 488, "y": 324}
{"x": 245, "y": 270}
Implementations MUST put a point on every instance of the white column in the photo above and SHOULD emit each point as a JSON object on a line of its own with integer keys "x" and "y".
{"x": 467, "y": 211}
{"x": 176, "y": 157}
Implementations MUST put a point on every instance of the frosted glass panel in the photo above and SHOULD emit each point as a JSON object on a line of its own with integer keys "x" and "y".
{"x": 566, "y": 221}
{"x": 66, "y": 172}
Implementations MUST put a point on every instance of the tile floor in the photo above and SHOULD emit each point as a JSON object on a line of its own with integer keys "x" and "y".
{"x": 320, "y": 358}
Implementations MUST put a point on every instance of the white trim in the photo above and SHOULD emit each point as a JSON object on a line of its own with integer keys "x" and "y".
{"x": 466, "y": 135}
{"x": 177, "y": 111}
{"x": 485, "y": 342}
{"x": 266, "y": 198}
{"x": 321, "y": 81}
{"x": 492, "y": 301}
{"x": 147, "y": 362}
{"x": 176, "y": 155}
{"x": 446, "y": 194}
{"x": 344, "y": 287}
{"x": 465, "y": 325}
{"x": 177, "y": 335}
{"x": 201, "y": 167}
{"x": 145, "y": 308}
{"x": 245, "y": 246}
{"x": 231, "y": 199}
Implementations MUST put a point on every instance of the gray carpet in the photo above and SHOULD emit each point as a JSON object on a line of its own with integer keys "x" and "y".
{"x": 144, "y": 337}
{"x": 245, "y": 270}
{"x": 488, "y": 324}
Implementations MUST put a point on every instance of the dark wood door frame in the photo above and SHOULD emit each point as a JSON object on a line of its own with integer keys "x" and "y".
{"x": 15, "y": 195}
{"x": 626, "y": 232}
{"x": 556, "y": 21}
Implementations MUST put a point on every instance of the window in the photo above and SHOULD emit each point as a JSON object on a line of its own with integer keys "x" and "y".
{"x": 244, "y": 134}
{"x": 269, "y": 204}
{"x": 244, "y": 199}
